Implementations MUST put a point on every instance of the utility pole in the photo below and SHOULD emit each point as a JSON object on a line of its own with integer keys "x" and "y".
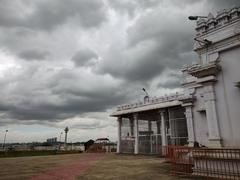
{"x": 65, "y": 143}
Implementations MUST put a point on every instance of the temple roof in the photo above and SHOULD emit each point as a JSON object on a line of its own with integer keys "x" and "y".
{"x": 153, "y": 103}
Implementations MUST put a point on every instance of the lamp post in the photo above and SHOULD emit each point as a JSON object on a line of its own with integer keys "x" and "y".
{"x": 194, "y": 18}
{"x": 4, "y": 140}
{"x": 146, "y": 97}
{"x": 202, "y": 42}
{"x": 66, "y": 131}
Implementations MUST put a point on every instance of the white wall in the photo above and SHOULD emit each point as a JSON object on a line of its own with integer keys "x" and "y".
{"x": 227, "y": 102}
{"x": 228, "y": 97}
{"x": 200, "y": 120}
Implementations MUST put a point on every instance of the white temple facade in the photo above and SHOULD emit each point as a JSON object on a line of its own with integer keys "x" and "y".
{"x": 207, "y": 111}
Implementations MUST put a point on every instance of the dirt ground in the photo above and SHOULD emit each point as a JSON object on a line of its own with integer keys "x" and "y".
{"x": 126, "y": 167}
{"x": 85, "y": 166}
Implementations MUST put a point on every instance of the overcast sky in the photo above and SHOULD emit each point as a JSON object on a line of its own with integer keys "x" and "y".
{"x": 71, "y": 62}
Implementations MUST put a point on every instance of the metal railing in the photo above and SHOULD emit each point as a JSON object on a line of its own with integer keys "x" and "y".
{"x": 181, "y": 160}
{"x": 127, "y": 145}
{"x": 217, "y": 163}
{"x": 210, "y": 163}
{"x": 150, "y": 144}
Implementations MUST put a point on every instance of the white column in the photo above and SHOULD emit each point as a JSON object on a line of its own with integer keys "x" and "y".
{"x": 190, "y": 126}
{"x": 119, "y": 134}
{"x": 136, "y": 144}
{"x": 211, "y": 112}
{"x": 163, "y": 129}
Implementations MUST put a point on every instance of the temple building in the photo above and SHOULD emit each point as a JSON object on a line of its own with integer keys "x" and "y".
{"x": 207, "y": 111}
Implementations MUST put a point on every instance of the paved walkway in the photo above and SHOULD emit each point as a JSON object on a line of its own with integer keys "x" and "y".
{"x": 70, "y": 171}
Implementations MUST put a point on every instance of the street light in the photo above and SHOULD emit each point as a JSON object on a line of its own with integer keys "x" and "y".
{"x": 194, "y": 18}
{"x": 145, "y": 91}
{"x": 146, "y": 97}
{"x": 201, "y": 41}
{"x": 3, "y": 146}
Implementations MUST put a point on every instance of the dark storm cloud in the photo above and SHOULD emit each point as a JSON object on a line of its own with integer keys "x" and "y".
{"x": 130, "y": 7}
{"x": 184, "y": 3}
{"x": 29, "y": 28}
{"x": 46, "y": 15}
{"x": 213, "y": 4}
{"x": 33, "y": 54}
{"x": 159, "y": 39}
{"x": 171, "y": 81}
{"x": 155, "y": 37}
{"x": 84, "y": 57}
{"x": 153, "y": 45}
{"x": 64, "y": 94}
{"x": 223, "y": 4}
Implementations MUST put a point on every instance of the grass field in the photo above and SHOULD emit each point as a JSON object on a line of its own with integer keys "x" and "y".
{"x": 26, "y": 167}
{"x": 109, "y": 166}
{"x": 126, "y": 167}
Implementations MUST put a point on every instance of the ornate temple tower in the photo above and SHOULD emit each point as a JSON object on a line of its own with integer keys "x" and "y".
{"x": 212, "y": 81}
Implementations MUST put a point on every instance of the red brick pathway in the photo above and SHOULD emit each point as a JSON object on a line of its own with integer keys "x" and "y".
{"x": 70, "y": 171}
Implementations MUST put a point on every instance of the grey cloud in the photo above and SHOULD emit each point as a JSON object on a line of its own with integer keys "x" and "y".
{"x": 84, "y": 57}
{"x": 149, "y": 3}
{"x": 130, "y": 7}
{"x": 122, "y": 6}
{"x": 184, "y": 3}
{"x": 153, "y": 45}
{"x": 47, "y": 15}
{"x": 46, "y": 91}
{"x": 172, "y": 81}
{"x": 33, "y": 54}
{"x": 10, "y": 13}
{"x": 223, "y": 4}
{"x": 28, "y": 28}
{"x": 58, "y": 96}
{"x": 213, "y": 4}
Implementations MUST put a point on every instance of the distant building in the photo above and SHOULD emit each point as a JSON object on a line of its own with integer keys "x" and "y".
{"x": 207, "y": 110}
{"x": 52, "y": 140}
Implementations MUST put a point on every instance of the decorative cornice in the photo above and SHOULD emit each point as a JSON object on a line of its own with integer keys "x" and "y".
{"x": 222, "y": 19}
{"x": 203, "y": 70}
{"x": 152, "y": 101}
{"x": 187, "y": 99}
{"x": 221, "y": 44}
{"x": 207, "y": 79}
